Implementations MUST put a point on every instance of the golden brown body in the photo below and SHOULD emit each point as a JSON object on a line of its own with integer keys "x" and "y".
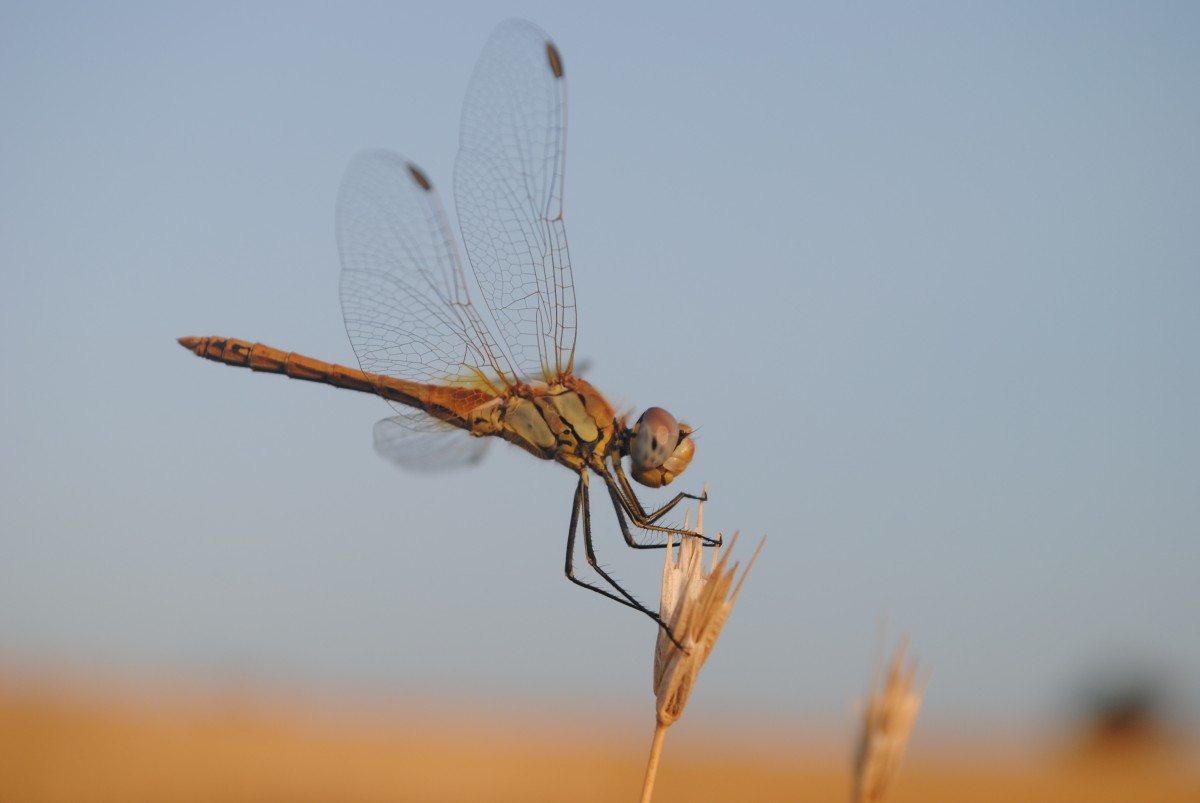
{"x": 568, "y": 421}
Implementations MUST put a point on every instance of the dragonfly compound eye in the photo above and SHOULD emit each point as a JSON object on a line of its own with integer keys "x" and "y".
{"x": 657, "y": 433}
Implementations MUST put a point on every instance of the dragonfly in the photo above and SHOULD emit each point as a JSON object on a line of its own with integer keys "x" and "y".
{"x": 504, "y": 369}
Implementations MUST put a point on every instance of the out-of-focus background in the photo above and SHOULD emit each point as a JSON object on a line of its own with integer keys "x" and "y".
{"x": 925, "y": 277}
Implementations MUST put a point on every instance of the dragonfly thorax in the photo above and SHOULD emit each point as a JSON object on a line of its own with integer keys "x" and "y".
{"x": 567, "y": 421}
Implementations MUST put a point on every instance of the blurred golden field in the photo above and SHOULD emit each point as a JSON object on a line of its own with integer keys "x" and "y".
{"x": 101, "y": 745}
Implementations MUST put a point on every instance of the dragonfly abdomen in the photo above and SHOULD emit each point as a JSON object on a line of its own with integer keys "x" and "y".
{"x": 449, "y": 404}
{"x": 258, "y": 357}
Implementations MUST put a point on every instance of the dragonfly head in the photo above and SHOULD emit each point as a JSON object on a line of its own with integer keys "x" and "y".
{"x": 660, "y": 448}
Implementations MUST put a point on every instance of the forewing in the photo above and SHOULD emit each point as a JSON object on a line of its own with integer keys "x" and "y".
{"x": 403, "y": 292}
{"x": 426, "y": 450}
{"x": 508, "y": 185}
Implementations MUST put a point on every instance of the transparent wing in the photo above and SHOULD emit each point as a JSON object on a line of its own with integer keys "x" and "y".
{"x": 403, "y": 291}
{"x": 508, "y": 185}
{"x": 427, "y": 450}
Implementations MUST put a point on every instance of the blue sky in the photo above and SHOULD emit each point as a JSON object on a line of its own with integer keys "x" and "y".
{"x": 925, "y": 278}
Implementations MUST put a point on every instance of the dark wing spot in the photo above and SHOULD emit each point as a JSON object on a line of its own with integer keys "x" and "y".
{"x": 556, "y": 65}
{"x": 419, "y": 177}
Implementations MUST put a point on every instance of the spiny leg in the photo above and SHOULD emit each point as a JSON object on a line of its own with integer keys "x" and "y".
{"x": 624, "y": 500}
{"x": 618, "y": 506}
{"x": 634, "y": 506}
{"x": 582, "y": 504}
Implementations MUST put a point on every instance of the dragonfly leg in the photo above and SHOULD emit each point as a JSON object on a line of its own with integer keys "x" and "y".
{"x": 624, "y": 499}
{"x": 618, "y": 506}
{"x": 581, "y": 504}
{"x": 636, "y": 506}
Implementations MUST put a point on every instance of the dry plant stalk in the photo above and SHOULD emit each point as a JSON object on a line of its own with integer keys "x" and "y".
{"x": 887, "y": 721}
{"x": 695, "y": 604}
